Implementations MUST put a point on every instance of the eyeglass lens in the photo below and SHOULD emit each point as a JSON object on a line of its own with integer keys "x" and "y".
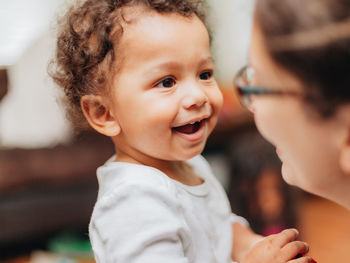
{"x": 245, "y": 79}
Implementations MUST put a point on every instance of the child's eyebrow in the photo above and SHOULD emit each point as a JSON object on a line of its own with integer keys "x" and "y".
{"x": 168, "y": 65}
{"x": 208, "y": 60}
{"x": 173, "y": 65}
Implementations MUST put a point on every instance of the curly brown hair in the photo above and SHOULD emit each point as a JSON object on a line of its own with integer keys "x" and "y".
{"x": 87, "y": 43}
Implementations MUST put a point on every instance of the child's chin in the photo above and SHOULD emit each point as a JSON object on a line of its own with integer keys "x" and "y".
{"x": 192, "y": 154}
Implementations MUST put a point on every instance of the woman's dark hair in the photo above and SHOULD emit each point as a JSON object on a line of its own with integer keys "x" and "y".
{"x": 87, "y": 45}
{"x": 311, "y": 39}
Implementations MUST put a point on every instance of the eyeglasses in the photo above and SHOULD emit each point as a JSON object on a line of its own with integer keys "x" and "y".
{"x": 247, "y": 92}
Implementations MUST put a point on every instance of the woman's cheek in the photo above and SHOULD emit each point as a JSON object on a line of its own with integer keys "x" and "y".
{"x": 265, "y": 124}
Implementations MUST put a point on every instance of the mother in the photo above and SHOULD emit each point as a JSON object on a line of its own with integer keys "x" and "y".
{"x": 297, "y": 85}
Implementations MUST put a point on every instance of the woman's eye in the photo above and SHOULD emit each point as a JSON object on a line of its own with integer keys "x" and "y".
{"x": 166, "y": 83}
{"x": 205, "y": 75}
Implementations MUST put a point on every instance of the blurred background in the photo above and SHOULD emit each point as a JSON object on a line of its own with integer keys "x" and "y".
{"x": 47, "y": 170}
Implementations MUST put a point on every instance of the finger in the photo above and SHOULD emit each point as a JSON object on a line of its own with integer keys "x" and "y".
{"x": 305, "y": 259}
{"x": 284, "y": 237}
{"x": 293, "y": 248}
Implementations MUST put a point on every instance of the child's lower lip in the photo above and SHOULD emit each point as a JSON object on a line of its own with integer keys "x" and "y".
{"x": 192, "y": 137}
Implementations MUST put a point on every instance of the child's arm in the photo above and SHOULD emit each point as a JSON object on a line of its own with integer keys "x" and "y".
{"x": 243, "y": 238}
{"x": 280, "y": 248}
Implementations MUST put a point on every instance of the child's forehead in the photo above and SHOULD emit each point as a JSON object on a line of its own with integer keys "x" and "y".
{"x": 156, "y": 30}
{"x": 151, "y": 22}
{"x": 149, "y": 36}
{"x": 130, "y": 14}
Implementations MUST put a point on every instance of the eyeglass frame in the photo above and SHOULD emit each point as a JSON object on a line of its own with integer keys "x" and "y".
{"x": 246, "y": 90}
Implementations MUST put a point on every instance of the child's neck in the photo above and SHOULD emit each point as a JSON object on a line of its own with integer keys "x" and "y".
{"x": 176, "y": 170}
{"x": 184, "y": 173}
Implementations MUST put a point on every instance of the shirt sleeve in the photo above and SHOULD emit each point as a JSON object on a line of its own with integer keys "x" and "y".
{"x": 238, "y": 219}
{"x": 135, "y": 224}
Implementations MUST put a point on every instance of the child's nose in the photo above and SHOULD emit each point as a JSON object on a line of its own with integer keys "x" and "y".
{"x": 194, "y": 97}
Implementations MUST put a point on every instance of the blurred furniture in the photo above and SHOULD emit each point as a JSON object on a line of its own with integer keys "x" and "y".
{"x": 43, "y": 191}
{"x": 3, "y": 83}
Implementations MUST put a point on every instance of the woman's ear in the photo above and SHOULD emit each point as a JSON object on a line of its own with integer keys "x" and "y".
{"x": 345, "y": 160}
{"x": 344, "y": 156}
{"x": 99, "y": 115}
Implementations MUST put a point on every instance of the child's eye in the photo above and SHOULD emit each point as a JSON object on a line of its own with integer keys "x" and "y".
{"x": 206, "y": 75}
{"x": 166, "y": 83}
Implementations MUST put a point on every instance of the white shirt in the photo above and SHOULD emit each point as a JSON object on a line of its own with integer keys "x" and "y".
{"x": 142, "y": 215}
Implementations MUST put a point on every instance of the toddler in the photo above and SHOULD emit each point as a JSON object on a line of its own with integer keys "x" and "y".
{"x": 141, "y": 72}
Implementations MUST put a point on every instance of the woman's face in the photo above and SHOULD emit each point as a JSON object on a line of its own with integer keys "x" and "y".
{"x": 308, "y": 146}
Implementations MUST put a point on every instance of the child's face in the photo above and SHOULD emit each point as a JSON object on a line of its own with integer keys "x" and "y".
{"x": 164, "y": 97}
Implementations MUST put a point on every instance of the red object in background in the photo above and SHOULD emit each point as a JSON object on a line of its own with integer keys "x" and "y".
{"x": 303, "y": 255}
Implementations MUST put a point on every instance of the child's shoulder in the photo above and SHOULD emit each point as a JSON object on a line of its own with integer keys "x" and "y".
{"x": 117, "y": 179}
{"x": 114, "y": 175}
{"x": 126, "y": 184}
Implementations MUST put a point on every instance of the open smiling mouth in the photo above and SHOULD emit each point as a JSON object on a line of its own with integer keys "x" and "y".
{"x": 190, "y": 128}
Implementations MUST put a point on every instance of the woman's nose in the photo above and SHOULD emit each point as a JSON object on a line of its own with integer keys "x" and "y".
{"x": 251, "y": 106}
{"x": 194, "y": 97}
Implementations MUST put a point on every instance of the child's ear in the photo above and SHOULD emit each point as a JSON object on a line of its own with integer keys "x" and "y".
{"x": 99, "y": 115}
